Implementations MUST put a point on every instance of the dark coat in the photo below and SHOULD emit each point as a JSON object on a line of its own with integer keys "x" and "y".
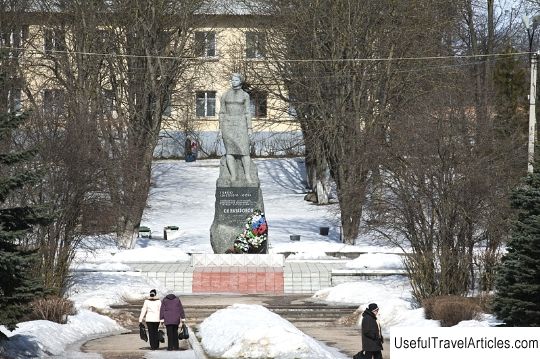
{"x": 372, "y": 339}
{"x": 171, "y": 311}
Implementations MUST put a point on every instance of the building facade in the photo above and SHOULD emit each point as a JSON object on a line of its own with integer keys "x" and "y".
{"x": 226, "y": 41}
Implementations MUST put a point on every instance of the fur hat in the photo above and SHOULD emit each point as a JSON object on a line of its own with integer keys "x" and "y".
{"x": 153, "y": 293}
{"x": 373, "y": 307}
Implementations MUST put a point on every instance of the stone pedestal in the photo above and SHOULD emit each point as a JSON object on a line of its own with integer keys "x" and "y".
{"x": 235, "y": 201}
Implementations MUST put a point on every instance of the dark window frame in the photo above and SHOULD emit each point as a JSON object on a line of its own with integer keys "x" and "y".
{"x": 15, "y": 103}
{"x": 205, "y": 44}
{"x": 255, "y": 45}
{"x": 258, "y": 104}
{"x": 54, "y": 40}
{"x": 167, "y": 105}
{"x": 205, "y": 104}
{"x": 53, "y": 102}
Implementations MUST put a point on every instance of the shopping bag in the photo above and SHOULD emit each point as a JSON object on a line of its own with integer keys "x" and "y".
{"x": 183, "y": 333}
{"x": 161, "y": 336}
{"x": 142, "y": 332}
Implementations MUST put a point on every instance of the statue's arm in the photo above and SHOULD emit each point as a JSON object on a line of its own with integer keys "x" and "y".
{"x": 247, "y": 112}
{"x": 222, "y": 107}
{"x": 221, "y": 113}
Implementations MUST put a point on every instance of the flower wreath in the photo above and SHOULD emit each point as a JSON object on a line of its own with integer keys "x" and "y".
{"x": 253, "y": 238}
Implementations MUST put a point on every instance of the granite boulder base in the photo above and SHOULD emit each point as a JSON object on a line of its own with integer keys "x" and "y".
{"x": 235, "y": 201}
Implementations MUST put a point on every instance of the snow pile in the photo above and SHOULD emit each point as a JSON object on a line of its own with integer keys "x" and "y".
{"x": 102, "y": 289}
{"x": 316, "y": 254}
{"x": 157, "y": 253}
{"x": 42, "y": 338}
{"x": 252, "y": 331}
{"x": 377, "y": 261}
{"x": 392, "y": 294}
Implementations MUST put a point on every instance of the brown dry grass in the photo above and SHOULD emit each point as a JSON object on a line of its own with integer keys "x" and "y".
{"x": 53, "y": 308}
{"x": 450, "y": 310}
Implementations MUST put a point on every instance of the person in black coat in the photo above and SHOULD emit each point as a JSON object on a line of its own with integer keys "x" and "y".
{"x": 372, "y": 339}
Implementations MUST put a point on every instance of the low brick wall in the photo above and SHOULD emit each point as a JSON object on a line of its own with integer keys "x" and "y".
{"x": 232, "y": 279}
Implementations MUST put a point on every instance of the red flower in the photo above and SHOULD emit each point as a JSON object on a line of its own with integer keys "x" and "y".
{"x": 260, "y": 229}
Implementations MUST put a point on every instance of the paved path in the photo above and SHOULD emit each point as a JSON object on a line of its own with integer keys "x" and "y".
{"x": 346, "y": 339}
{"x": 130, "y": 346}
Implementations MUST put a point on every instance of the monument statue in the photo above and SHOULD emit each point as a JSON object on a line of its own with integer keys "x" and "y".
{"x": 238, "y": 189}
{"x": 235, "y": 127}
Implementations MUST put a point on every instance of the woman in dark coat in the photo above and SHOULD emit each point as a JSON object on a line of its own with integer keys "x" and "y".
{"x": 372, "y": 339}
{"x": 172, "y": 313}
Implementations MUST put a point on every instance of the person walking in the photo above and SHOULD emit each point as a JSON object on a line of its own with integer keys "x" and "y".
{"x": 172, "y": 313}
{"x": 150, "y": 313}
{"x": 372, "y": 339}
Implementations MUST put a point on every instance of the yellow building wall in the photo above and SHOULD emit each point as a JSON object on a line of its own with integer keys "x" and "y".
{"x": 211, "y": 74}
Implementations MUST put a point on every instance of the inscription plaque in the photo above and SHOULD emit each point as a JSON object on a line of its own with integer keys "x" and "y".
{"x": 236, "y": 203}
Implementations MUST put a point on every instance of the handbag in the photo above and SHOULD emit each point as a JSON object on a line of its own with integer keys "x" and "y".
{"x": 184, "y": 332}
{"x": 161, "y": 336}
{"x": 361, "y": 355}
{"x": 142, "y": 332}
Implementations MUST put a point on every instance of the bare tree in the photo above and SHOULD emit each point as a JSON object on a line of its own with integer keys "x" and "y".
{"x": 59, "y": 126}
{"x": 415, "y": 140}
{"x": 119, "y": 62}
{"x": 340, "y": 64}
{"x": 448, "y": 171}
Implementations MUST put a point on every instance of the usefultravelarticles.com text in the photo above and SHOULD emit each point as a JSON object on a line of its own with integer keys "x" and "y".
{"x": 464, "y": 342}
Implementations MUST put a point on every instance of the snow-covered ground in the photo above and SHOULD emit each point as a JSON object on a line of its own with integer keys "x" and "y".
{"x": 183, "y": 195}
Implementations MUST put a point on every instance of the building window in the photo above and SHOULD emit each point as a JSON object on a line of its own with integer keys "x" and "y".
{"x": 206, "y": 104}
{"x": 104, "y": 41}
{"x": 15, "y": 100}
{"x": 257, "y": 103}
{"x": 167, "y": 105}
{"x": 205, "y": 43}
{"x": 53, "y": 102}
{"x": 255, "y": 45}
{"x": 55, "y": 40}
{"x": 107, "y": 97}
{"x": 12, "y": 41}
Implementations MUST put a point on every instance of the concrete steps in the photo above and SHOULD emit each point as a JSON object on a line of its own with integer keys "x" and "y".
{"x": 295, "y": 313}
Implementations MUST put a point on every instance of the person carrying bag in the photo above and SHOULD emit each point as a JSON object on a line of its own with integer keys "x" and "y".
{"x": 372, "y": 339}
{"x": 142, "y": 332}
{"x": 150, "y": 313}
{"x": 183, "y": 333}
{"x": 172, "y": 313}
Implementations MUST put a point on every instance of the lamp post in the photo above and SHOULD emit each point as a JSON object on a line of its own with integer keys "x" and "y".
{"x": 531, "y": 23}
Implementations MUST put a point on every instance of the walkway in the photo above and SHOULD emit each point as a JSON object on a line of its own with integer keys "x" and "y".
{"x": 130, "y": 346}
{"x": 316, "y": 320}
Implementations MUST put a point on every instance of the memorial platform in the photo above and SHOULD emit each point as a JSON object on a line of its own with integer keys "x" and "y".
{"x": 298, "y": 277}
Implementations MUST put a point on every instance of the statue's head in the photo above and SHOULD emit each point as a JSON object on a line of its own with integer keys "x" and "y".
{"x": 236, "y": 80}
